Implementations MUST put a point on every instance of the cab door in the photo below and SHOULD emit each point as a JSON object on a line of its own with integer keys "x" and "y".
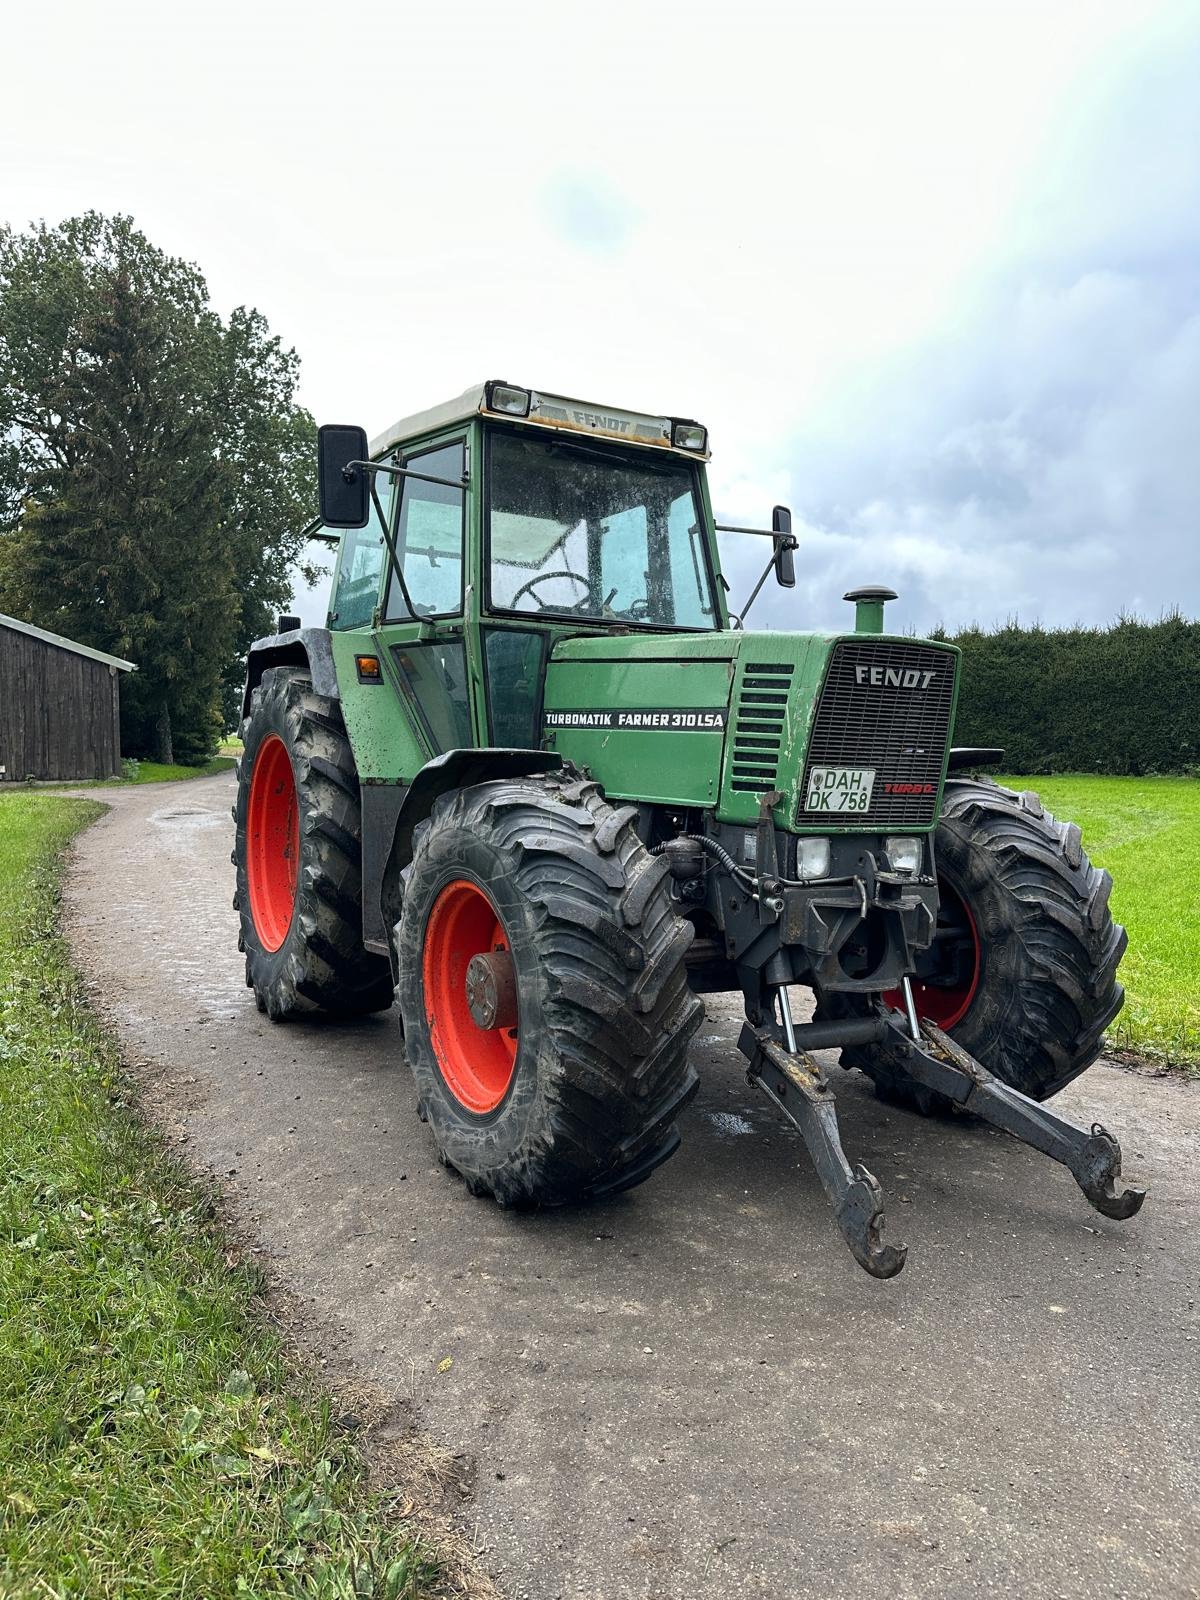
{"x": 421, "y": 634}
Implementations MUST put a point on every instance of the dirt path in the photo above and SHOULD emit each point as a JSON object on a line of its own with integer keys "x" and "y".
{"x": 693, "y": 1391}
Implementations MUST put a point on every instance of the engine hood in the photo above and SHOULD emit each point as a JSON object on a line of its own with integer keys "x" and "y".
{"x": 717, "y": 720}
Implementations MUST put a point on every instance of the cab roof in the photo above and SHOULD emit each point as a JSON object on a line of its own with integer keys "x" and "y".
{"x": 545, "y": 411}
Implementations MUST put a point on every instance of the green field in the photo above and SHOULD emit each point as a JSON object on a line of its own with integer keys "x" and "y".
{"x": 1146, "y": 831}
{"x": 154, "y": 1440}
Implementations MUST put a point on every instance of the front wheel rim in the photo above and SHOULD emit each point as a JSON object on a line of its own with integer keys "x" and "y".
{"x": 272, "y": 842}
{"x": 476, "y": 1062}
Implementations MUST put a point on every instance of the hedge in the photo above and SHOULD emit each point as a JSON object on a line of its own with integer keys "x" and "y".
{"x": 1122, "y": 700}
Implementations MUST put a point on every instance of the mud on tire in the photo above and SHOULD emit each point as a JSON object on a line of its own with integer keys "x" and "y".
{"x": 604, "y": 1009}
{"x": 321, "y": 964}
{"x": 1047, "y": 948}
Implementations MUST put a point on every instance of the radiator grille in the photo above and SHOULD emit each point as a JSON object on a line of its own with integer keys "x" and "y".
{"x": 899, "y": 732}
{"x": 758, "y": 725}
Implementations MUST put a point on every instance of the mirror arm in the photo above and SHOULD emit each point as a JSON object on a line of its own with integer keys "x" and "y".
{"x": 401, "y": 472}
{"x": 789, "y": 544}
{"x": 761, "y": 533}
{"x": 741, "y": 615}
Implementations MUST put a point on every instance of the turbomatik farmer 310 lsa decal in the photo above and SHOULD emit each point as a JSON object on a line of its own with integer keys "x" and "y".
{"x": 534, "y": 778}
{"x": 676, "y": 721}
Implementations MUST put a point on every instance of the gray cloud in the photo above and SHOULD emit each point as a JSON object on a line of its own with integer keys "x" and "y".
{"x": 1043, "y": 456}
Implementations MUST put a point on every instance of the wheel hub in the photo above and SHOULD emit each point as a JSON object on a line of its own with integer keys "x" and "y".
{"x": 492, "y": 990}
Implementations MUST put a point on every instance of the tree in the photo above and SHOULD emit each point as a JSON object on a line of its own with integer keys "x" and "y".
{"x": 155, "y": 470}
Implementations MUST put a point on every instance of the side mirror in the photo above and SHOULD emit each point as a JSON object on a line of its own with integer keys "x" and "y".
{"x": 345, "y": 490}
{"x": 785, "y": 545}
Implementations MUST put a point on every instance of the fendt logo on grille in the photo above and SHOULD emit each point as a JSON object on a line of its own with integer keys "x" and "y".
{"x": 893, "y": 677}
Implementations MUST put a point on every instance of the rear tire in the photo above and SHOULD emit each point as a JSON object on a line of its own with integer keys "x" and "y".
{"x": 1031, "y": 995}
{"x": 298, "y": 854}
{"x": 585, "y": 1105}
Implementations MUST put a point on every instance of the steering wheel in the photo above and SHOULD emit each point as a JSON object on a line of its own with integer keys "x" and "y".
{"x": 544, "y": 577}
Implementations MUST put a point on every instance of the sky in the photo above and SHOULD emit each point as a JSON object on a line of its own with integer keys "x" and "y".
{"x": 929, "y": 272}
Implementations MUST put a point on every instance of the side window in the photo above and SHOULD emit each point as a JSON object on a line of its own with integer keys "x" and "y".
{"x": 512, "y": 661}
{"x": 429, "y": 538}
{"x": 363, "y": 554}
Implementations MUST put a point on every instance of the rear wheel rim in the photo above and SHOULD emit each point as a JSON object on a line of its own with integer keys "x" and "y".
{"x": 476, "y": 1063}
{"x": 272, "y": 842}
{"x": 947, "y": 1004}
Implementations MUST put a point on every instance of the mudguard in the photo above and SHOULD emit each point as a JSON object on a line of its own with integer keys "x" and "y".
{"x": 455, "y": 769}
{"x": 299, "y": 647}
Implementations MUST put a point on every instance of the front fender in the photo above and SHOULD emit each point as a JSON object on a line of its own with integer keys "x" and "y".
{"x": 455, "y": 769}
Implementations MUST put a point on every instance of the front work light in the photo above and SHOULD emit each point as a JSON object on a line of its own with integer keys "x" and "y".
{"x": 505, "y": 398}
{"x": 904, "y": 854}
{"x": 812, "y": 858}
{"x": 689, "y": 436}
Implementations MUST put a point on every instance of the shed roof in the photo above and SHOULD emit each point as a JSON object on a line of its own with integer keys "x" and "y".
{"x": 65, "y": 644}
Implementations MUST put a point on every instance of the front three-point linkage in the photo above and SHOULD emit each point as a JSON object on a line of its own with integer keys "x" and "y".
{"x": 1093, "y": 1157}
{"x": 794, "y": 1082}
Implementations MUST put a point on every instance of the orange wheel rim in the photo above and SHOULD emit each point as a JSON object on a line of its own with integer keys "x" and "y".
{"x": 476, "y": 1062}
{"x": 272, "y": 842}
{"x": 945, "y": 1005}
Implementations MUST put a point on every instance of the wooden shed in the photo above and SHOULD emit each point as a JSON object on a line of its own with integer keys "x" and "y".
{"x": 60, "y": 706}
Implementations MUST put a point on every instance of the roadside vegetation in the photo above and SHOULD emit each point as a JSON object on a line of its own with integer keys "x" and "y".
{"x": 1146, "y": 831}
{"x": 153, "y": 1439}
{"x": 149, "y": 772}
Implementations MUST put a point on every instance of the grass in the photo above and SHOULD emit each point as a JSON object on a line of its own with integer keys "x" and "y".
{"x": 154, "y": 1440}
{"x": 160, "y": 772}
{"x": 148, "y": 772}
{"x": 1146, "y": 831}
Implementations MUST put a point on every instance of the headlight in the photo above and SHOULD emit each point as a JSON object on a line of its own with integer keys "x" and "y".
{"x": 904, "y": 854}
{"x": 812, "y": 858}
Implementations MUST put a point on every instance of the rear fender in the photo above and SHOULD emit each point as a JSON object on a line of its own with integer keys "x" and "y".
{"x": 456, "y": 769}
{"x": 299, "y": 647}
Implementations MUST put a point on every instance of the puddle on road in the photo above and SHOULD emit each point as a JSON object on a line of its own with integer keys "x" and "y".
{"x": 191, "y": 818}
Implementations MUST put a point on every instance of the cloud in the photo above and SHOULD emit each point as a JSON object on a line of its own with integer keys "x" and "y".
{"x": 588, "y": 210}
{"x": 1041, "y": 456}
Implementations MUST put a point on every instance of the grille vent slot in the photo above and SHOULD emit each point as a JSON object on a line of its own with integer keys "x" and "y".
{"x": 759, "y": 724}
{"x": 898, "y": 732}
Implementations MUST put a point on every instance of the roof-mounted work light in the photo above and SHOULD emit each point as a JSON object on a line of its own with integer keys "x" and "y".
{"x": 689, "y": 436}
{"x": 507, "y": 399}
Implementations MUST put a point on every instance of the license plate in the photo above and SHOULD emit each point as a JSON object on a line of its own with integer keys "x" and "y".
{"x": 839, "y": 789}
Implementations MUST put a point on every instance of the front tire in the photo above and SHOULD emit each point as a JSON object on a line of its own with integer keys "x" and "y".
{"x": 1024, "y": 972}
{"x": 543, "y": 992}
{"x": 298, "y": 854}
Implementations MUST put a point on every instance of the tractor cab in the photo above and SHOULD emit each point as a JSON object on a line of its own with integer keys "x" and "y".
{"x": 477, "y": 535}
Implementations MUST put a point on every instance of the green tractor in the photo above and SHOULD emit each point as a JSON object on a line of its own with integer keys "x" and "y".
{"x": 538, "y": 784}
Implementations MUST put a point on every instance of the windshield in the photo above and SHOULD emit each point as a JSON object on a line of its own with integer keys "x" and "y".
{"x": 584, "y": 532}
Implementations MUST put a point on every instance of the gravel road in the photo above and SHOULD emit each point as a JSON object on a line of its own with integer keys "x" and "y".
{"x": 692, "y": 1391}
